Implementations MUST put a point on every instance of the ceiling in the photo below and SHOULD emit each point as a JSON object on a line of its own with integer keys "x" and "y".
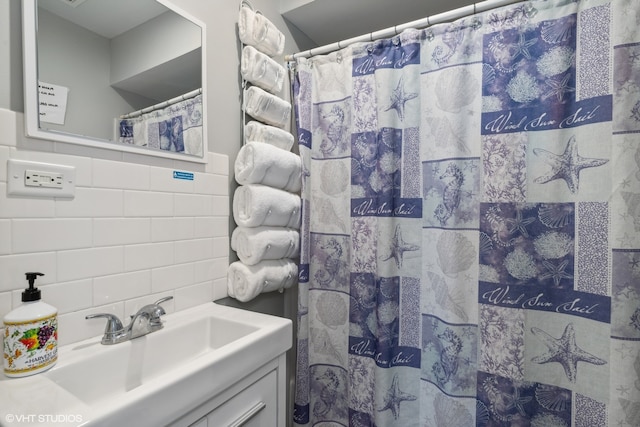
{"x": 107, "y": 18}
{"x": 329, "y": 21}
{"x": 323, "y": 21}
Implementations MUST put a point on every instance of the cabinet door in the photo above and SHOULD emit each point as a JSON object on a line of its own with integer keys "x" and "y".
{"x": 255, "y": 406}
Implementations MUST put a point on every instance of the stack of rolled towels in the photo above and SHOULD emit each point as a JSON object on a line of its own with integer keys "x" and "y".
{"x": 262, "y": 41}
{"x": 266, "y": 209}
{"x": 266, "y": 204}
{"x": 254, "y": 29}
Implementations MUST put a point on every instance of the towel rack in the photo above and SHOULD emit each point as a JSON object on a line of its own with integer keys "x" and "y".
{"x": 244, "y": 82}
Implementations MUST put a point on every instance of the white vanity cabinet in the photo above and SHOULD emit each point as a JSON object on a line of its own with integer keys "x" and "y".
{"x": 255, "y": 406}
{"x": 258, "y": 400}
{"x": 210, "y": 365}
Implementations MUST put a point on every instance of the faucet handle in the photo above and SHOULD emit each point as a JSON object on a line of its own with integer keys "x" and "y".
{"x": 159, "y": 310}
{"x": 155, "y": 310}
{"x": 113, "y": 326}
{"x": 165, "y": 299}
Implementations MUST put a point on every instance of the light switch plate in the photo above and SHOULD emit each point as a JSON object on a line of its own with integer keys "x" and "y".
{"x": 26, "y": 178}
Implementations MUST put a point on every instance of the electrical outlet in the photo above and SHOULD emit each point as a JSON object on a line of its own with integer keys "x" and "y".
{"x": 25, "y": 178}
{"x": 43, "y": 179}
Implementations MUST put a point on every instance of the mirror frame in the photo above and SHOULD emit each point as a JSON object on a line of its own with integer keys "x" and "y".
{"x": 31, "y": 93}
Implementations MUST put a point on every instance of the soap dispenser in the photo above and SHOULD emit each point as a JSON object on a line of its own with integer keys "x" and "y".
{"x": 30, "y": 334}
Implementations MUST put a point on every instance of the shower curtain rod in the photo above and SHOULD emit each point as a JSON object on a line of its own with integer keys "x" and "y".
{"x": 163, "y": 104}
{"x": 397, "y": 29}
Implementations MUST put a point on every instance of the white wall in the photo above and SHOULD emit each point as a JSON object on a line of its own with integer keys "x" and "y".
{"x": 11, "y": 88}
{"x": 132, "y": 233}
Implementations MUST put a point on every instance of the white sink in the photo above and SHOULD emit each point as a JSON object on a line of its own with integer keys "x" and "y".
{"x": 120, "y": 368}
{"x": 150, "y": 380}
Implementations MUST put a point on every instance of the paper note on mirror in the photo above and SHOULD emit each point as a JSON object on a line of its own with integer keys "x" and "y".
{"x": 52, "y": 102}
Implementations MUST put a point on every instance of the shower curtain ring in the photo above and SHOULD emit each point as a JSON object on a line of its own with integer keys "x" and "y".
{"x": 529, "y": 10}
{"x": 430, "y": 35}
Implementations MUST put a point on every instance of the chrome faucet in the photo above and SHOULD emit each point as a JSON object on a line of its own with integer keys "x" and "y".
{"x": 154, "y": 311}
{"x": 115, "y": 332}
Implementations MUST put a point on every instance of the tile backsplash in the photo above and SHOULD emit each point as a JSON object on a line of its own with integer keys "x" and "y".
{"x": 131, "y": 235}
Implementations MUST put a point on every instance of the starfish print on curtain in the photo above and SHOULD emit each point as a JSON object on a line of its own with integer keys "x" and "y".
{"x": 558, "y": 88}
{"x": 394, "y": 397}
{"x": 399, "y": 97}
{"x": 566, "y": 166}
{"x": 398, "y": 247}
{"x": 565, "y": 351}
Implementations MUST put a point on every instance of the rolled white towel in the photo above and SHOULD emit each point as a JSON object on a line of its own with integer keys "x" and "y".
{"x": 259, "y": 132}
{"x": 256, "y": 30}
{"x": 260, "y": 70}
{"x": 245, "y": 282}
{"x": 266, "y": 107}
{"x": 259, "y": 163}
{"x": 255, "y": 244}
{"x": 255, "y": 205}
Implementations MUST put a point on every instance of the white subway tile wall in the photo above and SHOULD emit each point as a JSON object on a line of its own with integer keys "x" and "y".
{"x": 5, "y": 233}
{"x": 131, "y": 235}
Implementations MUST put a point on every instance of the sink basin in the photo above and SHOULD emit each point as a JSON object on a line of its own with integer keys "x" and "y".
{"x": 153, "y": 378}
{"x": 135, "y": 362}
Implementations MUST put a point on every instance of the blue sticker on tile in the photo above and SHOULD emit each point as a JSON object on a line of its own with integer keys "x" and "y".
{"x": 188, "y": 176}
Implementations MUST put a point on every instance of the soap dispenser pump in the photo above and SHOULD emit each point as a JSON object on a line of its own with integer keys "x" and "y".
{"x": 30, "y": 334}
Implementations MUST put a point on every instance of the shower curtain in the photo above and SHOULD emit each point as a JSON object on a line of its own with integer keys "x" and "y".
{"x": 176, "y": 127}
{"x": 471, "y": 224}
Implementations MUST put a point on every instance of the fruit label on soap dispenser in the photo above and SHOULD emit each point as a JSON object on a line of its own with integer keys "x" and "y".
{"x": 30, "y": 346}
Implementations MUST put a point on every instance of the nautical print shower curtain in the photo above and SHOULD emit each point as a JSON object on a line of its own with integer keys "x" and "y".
{"x": 176, "y": 127}
{"x": 471, "y": 237}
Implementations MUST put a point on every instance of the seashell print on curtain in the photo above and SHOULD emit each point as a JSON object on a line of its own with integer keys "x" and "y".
{"x": 471, "y": 223}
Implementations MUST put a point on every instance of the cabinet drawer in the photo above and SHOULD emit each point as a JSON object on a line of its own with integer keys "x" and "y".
{"x": 255, "y": 406}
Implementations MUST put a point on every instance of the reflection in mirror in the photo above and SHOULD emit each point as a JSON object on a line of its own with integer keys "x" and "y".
{"x": 117, "y": 74}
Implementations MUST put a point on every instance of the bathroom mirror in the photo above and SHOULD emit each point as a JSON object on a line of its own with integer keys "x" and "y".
{"x": 115, "y": 74}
